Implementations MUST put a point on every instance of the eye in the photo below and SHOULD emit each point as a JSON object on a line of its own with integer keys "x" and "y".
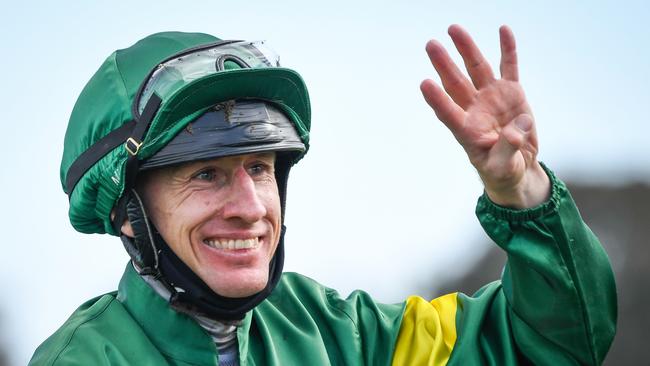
{"x": 256, "y": 169}
{"x": 260, "y": 168}
{"x": 207, "y": 175}
{"x": 210, "y": 175}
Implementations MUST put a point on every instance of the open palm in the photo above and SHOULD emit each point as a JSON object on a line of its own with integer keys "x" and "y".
{"x": 490, "y": 118}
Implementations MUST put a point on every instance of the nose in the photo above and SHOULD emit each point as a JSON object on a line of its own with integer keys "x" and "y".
{"x": 244, "y": 201}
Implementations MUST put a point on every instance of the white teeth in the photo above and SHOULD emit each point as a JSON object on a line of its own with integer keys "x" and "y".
{"x": 232, "y": 244}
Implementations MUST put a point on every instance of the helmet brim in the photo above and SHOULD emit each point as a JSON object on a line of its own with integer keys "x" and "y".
{"x": 282, "y": 87}
{"x": 232, "y": 128}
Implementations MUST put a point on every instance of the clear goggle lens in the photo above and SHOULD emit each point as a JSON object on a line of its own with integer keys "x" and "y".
{"x": 172, "y": 75}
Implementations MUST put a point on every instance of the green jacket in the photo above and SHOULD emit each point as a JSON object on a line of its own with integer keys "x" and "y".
{"x": 555, "y": 305}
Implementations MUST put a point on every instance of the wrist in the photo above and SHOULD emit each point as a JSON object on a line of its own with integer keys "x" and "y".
{"x": 533, "y": 189}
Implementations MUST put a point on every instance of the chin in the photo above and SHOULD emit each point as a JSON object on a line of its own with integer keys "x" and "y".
{"x": 237, "y": 287}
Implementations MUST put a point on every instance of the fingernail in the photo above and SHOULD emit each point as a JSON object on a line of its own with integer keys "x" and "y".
{"x": 524, "y": 122}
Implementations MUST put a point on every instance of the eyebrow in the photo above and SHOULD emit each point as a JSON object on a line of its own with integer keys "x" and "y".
{"x": 260, "y": 155}
{"x": 265, "y": 154}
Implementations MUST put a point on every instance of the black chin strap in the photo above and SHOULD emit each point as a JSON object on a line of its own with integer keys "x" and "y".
{"x": 153, "y": 256}
{"x": 191, "y": 291}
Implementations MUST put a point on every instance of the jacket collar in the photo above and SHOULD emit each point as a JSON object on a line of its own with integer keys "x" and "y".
{"x": 176, "y": 335}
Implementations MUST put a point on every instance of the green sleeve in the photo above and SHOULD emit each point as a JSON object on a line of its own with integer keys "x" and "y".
{"x": 556, "y": 304}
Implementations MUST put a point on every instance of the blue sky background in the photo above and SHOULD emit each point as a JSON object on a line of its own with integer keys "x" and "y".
{"x": 384, "y": 200}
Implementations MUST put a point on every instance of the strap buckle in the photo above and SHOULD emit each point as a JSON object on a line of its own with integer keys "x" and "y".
{"x": 132, "y": 146}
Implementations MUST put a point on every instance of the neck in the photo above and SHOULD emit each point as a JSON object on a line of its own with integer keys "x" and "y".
{"x": 223, "y": 332}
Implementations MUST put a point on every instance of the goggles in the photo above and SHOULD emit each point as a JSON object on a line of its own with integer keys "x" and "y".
{"x": 180, "y": 70}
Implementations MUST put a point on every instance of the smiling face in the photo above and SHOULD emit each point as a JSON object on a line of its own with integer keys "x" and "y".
{"x": 221, "y": 217}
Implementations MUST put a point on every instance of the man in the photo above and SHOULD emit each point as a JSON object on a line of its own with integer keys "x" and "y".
{"x": 182, "y": 145}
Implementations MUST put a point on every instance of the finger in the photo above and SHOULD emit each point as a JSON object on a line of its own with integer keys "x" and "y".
{"x": 508, "y": 67}
{"x": 460, "y": 89}
{"x": 478, "y": 68}
{"x": 447, "y": 111}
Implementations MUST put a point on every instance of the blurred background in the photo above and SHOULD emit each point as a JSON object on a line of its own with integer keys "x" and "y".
{"x": 384, "y": 201}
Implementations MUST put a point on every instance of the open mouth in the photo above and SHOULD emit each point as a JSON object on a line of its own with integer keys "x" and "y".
{"x": 233, "y": 244}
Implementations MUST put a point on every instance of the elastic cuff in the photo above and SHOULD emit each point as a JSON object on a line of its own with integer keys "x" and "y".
{"x": 558, "y": 190}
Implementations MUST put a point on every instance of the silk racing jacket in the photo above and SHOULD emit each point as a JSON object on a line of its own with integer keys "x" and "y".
{"x": 555, "y": 305}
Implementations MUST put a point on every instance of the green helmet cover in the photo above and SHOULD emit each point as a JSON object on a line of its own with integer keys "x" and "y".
{"x": 106, "y": 103}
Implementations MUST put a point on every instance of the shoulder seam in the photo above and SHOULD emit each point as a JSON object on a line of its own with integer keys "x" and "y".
{"x": 63, "y": 348}
{"x": 328, "y": 293}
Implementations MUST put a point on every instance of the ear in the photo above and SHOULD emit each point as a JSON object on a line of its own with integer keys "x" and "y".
{"x": 126, "y": 229}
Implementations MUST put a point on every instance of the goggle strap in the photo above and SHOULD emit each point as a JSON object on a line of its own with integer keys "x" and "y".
{"x": 91, "y": 156}
{"x": 129, "y": 133}
{"x": 132, "y": 163}
{"x": 147, "y": 116}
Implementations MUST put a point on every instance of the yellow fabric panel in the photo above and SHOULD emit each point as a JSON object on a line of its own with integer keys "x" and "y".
{"x": 428, "y": 331}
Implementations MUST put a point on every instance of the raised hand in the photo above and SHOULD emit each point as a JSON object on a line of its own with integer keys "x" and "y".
{"x": 490, "y": 118}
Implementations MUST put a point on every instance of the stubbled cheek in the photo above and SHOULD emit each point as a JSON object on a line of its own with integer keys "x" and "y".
{"x": 272, "y": 202}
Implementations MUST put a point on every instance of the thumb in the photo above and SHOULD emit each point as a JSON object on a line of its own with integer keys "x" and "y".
{"x": 514, "y": 135}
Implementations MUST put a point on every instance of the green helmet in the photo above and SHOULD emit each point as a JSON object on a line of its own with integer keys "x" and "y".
{"x": 106, "y": 130}
{"x": 135, "y": 114}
